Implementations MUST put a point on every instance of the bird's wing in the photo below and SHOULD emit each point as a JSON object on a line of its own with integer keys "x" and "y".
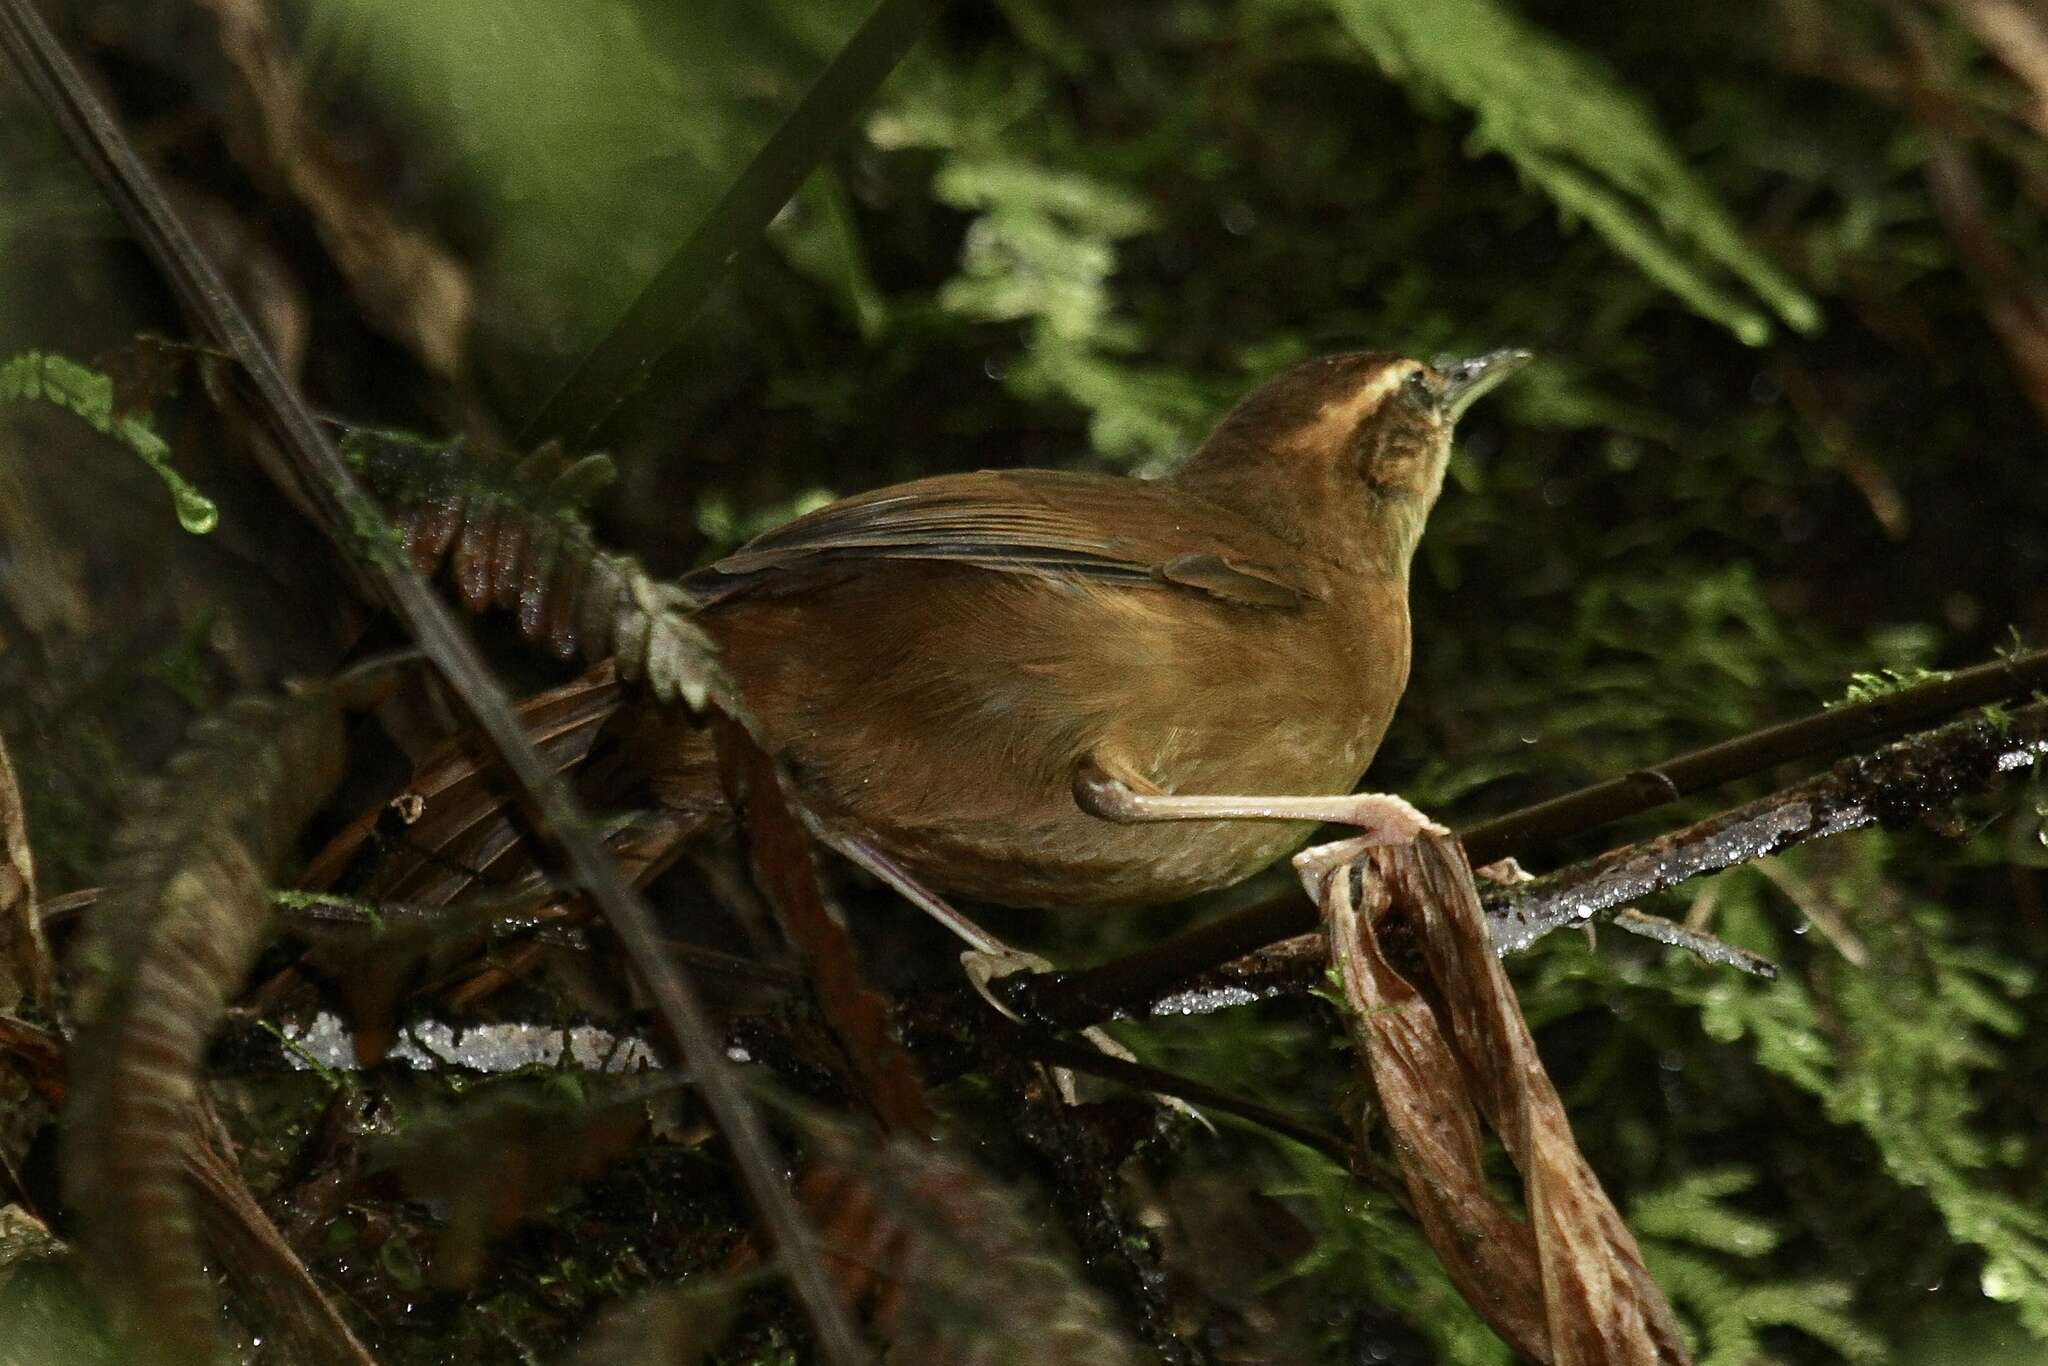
{"x": 1040, "y": 522}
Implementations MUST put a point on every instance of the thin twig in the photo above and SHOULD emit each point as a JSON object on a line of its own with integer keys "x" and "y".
{"x": 343, "y": 508}
{"x": 1704, "y": 947}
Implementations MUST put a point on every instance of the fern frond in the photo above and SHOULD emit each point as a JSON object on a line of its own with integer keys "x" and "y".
{"x": 40, "y": 376}
{"x": 1587, "y": 143}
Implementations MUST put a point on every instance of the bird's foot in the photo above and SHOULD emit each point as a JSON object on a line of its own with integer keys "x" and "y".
{"x": 1385, "y": 818}
{"x": 1504, "y": 872}
{"x": 983, "y": 966}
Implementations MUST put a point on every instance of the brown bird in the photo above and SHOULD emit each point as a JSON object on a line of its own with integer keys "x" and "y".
{"x": 1044, "y": 688}
{"x": 1056, "y": 689}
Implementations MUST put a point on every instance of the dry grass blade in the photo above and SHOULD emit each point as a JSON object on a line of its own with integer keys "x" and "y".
{"x": 951, "y": 1267}
{"x": 24, "y": 957}
{"x": 787, "y": 872}
{"x": 1457, "y": 1046}
{"x": 187, "y": 912}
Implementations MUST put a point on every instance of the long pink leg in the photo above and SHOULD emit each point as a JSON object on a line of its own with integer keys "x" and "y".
{"x": 1384, "y": 817}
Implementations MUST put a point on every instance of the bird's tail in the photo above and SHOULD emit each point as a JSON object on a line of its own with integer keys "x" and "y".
{"x": 460, "y": 827}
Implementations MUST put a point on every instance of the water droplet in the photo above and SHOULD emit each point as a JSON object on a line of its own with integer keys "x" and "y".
{"x": 196, "y": 512}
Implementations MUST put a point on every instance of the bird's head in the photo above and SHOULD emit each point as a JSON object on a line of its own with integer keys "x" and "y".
{"x": 1362, "y": 434}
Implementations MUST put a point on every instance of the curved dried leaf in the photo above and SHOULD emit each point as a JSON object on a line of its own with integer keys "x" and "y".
{"x": 1461, "y": 1050}
{"x": 186, "y": 913}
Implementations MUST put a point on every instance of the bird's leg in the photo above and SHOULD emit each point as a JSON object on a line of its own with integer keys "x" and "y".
{"x": 986, "y": 957}
{"x": 1385, "y": 818}
{"x": 917, "y": 894}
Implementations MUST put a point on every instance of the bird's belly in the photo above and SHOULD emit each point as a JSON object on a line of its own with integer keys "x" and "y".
{"x": 1079, "y": 860}
{"x": 1017, "y": 836}
{"x": 956, "y": 750}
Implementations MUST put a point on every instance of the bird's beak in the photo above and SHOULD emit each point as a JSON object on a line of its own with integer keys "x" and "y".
{"x": 1467, "y": 380}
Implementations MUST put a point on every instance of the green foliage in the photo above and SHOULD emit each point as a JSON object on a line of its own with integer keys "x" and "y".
{"x": 568, "y": 121}
{"x": 1364, "y": 1243}
{"x": 1869, "y": 686}
{"x": 1694, "y": 1242}
{"x": 1585, "y": 142}
{"x": 36, "y": 376}
{"x": 1041, "y": 250}
{"x": 1900, "y": 1051}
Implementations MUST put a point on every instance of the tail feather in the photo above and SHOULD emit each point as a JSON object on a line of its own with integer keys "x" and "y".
{"x": 460, "y": 824}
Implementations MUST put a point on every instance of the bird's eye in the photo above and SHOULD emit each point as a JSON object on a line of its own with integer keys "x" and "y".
{"x": 1418, "y": 390}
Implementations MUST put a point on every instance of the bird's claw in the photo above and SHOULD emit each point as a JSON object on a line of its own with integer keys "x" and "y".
{"x": 1504, "y": 872}
{"x": 1386, "y": 820}
{"x": 983, "y": 966}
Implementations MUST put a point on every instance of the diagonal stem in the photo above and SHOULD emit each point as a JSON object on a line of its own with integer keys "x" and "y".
{"x": 343, "y": 509}
{"x": 639, "y": 343}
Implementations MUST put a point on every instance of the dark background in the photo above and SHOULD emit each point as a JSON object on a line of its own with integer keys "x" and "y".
{"x": 1783, "y": 267}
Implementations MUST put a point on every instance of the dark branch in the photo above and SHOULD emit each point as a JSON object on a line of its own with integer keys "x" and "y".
{"x": 1890, "y": 787}
{"x": 342, "y": 508}
{"x": 1532, "y": 828}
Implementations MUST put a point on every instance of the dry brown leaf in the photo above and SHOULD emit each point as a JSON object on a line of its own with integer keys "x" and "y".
{"x": 24, "y": 956}
{"x": 951, "y": 1267}
{"x": 1489, "y": 1255}
{"x": 786, "y": 870}
{"x": 1570, "y": 1287}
